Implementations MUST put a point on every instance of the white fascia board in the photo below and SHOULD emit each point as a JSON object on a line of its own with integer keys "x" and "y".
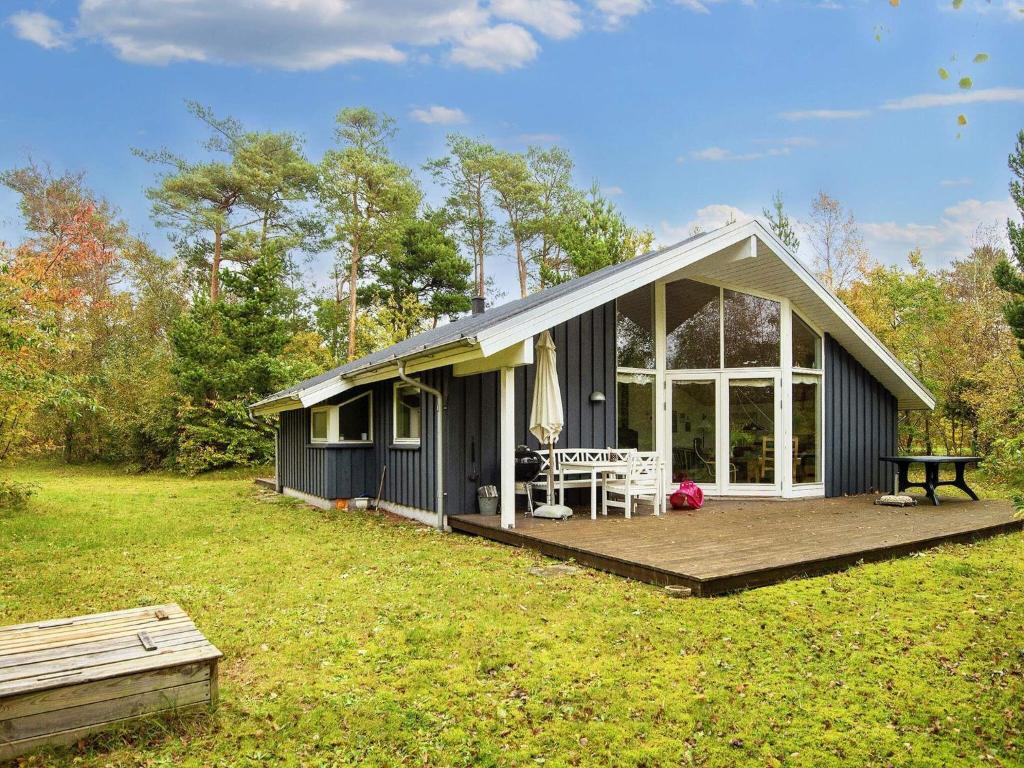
{"x": 552, "y": 313}
{"x": 388, "y": 369}
{"x": 512, "y": 357}
{"x": 274, "y": 407}
{"x": 322, "y": 391}
{"x": 845, "y": 314}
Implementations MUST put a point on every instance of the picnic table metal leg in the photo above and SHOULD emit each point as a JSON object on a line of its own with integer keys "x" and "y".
{"x": 961, "y": 483}
{"x": 902, "y": 470}
{"x": 931, "y": 481}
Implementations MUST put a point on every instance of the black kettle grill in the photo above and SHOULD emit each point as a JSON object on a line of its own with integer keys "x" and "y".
{"x": 528, "y": 464}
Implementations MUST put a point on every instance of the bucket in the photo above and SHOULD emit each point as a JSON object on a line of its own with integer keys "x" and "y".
{"x": 487, "y": 498}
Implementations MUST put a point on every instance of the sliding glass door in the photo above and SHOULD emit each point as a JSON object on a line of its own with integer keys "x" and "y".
{"x": 693, "y": 413}
{"x": 754, "y": 417}
{"x": 724, "y": 430}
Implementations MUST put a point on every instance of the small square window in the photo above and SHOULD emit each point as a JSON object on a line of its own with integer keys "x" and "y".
{"x": 320, "y": 425}
{"x": 408, "y": 411}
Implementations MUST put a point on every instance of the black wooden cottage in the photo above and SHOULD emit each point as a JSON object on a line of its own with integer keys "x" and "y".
{"x": 723, "y": 352}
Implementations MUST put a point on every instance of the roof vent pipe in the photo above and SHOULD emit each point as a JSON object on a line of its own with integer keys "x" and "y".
{"x": 479, "y": 305}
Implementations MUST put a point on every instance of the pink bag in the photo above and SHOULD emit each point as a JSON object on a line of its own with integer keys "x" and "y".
{"x": 687, "y": 496}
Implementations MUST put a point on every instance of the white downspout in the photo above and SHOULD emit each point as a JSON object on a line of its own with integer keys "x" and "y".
{"x": 439, "y": 439}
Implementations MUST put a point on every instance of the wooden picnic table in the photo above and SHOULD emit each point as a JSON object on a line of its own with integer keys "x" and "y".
{"x": 931, "y": 473}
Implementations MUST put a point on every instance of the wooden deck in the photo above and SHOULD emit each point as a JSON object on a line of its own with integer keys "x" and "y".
{"x": 735, "y": 544}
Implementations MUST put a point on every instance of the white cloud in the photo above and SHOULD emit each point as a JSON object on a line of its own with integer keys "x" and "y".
{"x": 500, "y": 47}
{"x": 705, "y": 219}
{"x": 557, "y": 19}
{"x": 982, "y": 96}
{"x": 948, "y": 238}
{"x": 310, "y": 34}
{"x": 825, "y": 114}
{"x": 713, "y": 154}
{"x": 917, "y": 101}
{"x": 40, "y": 29}
{"x": 775, "y": 148}
{"x": 438, "y": 115}
{"x": 693, "y": 5}
{"x": 617, "y": 11}
{"x": 611, "y": 191}
{"x": 963, "y": 182}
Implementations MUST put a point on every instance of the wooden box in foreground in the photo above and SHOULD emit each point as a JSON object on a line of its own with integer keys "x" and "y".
{"x": 61, "y": 680}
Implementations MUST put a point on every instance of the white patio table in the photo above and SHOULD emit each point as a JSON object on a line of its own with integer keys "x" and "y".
{"x": 595, "y": 467}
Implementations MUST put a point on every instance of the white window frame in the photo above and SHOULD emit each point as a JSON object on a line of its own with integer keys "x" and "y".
{"x": 332, "y": 424}
{"x": 821, "y": 342}
{"x": 395, "y": 439}
{"x": 369, "y": 434}
{"x": 786, "y": 488}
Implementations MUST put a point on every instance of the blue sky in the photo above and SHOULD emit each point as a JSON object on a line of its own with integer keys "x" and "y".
{"x": 681, "y": 110}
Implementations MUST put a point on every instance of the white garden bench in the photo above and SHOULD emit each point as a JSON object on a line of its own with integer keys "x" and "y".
{"x": 570, "y": 478}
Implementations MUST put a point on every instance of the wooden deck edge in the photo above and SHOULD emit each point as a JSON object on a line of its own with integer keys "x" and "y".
{"x": 629, "y": 569}
{"x": 720, "y": 585}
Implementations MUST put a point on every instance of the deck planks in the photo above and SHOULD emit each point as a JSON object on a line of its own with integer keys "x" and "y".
{"x": 733, "y": 544}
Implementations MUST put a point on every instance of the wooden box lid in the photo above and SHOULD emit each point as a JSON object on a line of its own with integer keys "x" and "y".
{"x": 52, "y": 654}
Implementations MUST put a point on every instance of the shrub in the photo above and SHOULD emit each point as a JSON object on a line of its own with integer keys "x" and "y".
{"x": 1005, "y": 461}
{"x": 14, "y": 495}
{"x": 221, "y": 435}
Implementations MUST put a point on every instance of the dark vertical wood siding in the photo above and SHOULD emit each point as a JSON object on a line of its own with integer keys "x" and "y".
{"x": 860, "y": 425}
{"x": 586, "y": 363}
{"x": 302, "y": 467}
{"x": 331, "y": 471}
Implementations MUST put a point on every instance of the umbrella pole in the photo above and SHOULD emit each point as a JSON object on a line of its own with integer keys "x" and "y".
{"x": 551, "y": 472}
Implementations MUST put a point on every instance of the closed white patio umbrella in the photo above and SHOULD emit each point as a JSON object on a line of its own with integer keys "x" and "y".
{"x": 547, "y": 419}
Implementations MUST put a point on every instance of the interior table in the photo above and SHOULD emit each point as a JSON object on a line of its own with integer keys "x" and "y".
{"x": 931, "y": 473}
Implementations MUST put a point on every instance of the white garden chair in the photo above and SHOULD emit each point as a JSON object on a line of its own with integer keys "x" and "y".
{"x": 642, "y": 479}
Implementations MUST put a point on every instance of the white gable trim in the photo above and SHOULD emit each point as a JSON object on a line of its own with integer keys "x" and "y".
{"x": 742, "y": 237}
{"x": 846, "y": 315}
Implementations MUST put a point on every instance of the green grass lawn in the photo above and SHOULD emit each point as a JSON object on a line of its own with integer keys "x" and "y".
{"x": 354, "y": 639}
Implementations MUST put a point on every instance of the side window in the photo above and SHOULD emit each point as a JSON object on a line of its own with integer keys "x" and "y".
{"x": 407, "y": 414}
{"x": 355, "y": 419}
{"x": 320, "y": 425}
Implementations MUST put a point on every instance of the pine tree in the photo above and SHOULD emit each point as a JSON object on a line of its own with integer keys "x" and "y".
{"x": 425, "y": 280}
{"x": 1008, "y": 276}
{"x": 780, "y": 223}
{"x": 597, "y": 237}
{"x": 229, "y": 353}
{"x": 369, "y": 198}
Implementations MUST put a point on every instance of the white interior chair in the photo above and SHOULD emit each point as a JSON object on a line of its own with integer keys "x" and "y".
{"x": 642, "y": 479}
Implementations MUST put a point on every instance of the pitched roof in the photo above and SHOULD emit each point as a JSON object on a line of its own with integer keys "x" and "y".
{"x": 500, "y": 327}
{"x": 464, "y": 328}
